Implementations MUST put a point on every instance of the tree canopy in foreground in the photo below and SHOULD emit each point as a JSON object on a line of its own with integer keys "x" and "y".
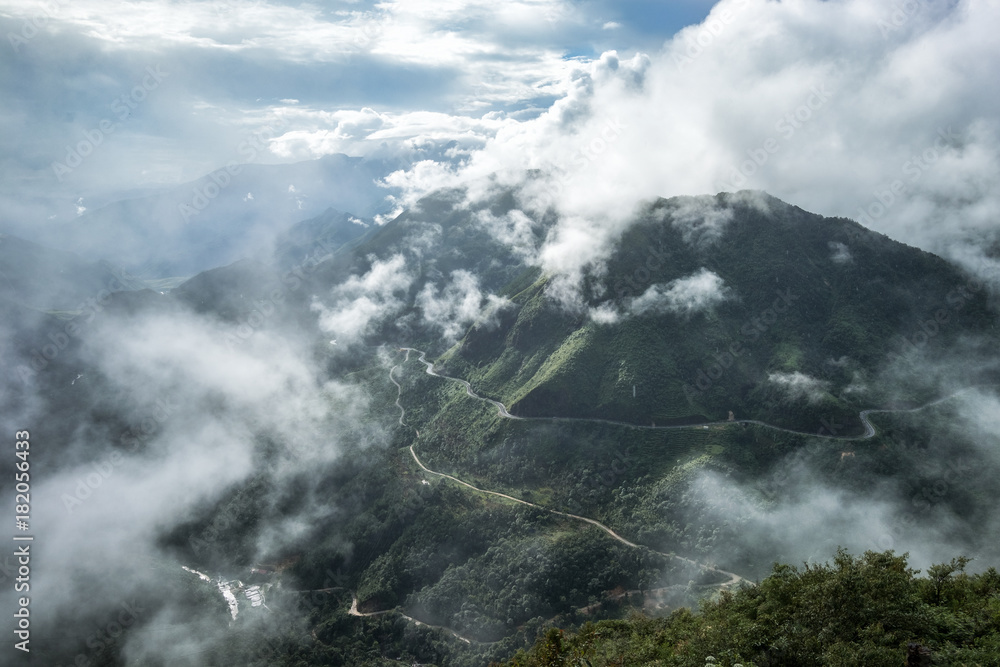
{"x": 869, "y": 610}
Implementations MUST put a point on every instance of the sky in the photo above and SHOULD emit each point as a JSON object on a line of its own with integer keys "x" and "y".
{"x": 355, "y": 77}
{"x": 884, "y": 111}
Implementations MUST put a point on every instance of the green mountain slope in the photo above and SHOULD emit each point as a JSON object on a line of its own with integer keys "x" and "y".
{"x": 813, "y": 309}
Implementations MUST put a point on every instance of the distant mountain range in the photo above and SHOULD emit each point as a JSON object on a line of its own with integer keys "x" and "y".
{"x": 706, "y": 305}
{"x": 236, "y": 211}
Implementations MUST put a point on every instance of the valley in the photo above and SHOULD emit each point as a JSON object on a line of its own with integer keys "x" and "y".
{"x": 452, "y": 490}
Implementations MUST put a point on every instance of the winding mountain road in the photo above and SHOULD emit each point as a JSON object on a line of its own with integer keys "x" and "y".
{"x": 354, "y": 611}
{"x": 504, "y": 412}
{"x": 732, "y": 577}
{"x": 502, "y": 409}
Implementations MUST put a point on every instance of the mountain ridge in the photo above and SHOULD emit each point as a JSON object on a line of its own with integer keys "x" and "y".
{"x": 776, "y": 300}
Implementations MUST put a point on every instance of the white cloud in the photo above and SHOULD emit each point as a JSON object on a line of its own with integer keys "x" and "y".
{"x": 840, "y": 253}
{"x": 514, "y": 229}
{"x": 980, "y": 411}
{"x": 396, "y": 81}
{"x": 413, "y": 136}
{"x": 457, "y": 305}
{"x": 363, "y": 300}
{"x": 197, "y": 405}
{"x": 799, "y": 386}
{"x": 810, "y": 519}
{"x": 831, "y": 112}
{"x": 605, "y": 313}
{"x": 684, "y": 296}
{"x": 701, "y": 220}
{"x": 468, "y": 36}
{"x": 834, "y": 111}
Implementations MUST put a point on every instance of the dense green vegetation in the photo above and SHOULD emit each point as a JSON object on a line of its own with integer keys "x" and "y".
{"x": 494, "y": 575}
{"x": 870, "y": 610}
{"x": 641, "y": 481}
{"x": 792, "y": 307}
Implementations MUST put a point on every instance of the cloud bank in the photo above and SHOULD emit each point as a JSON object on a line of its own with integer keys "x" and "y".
{"x": 845, "y": 108}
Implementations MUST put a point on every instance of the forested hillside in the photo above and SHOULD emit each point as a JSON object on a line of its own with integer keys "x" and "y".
{"x": 870, "y": 610}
